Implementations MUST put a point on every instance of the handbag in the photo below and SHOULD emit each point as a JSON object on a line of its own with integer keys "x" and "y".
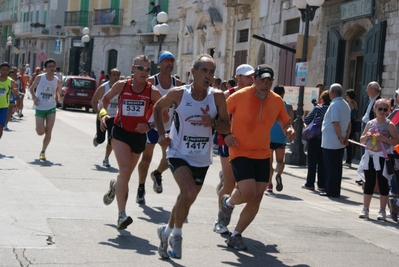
{"x": 313, "y": 130}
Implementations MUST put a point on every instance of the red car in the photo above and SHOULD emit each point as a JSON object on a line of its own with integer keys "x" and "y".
{"x": 77, "y": 92}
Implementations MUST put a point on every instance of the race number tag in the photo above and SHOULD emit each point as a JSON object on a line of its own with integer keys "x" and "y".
{"x": 45, "y": 96}
{"x": 134, "y": 108}
{"x": 195, "y": 145}
{"x": 2, "y": 91}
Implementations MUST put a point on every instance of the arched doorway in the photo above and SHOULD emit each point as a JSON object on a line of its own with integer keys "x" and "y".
{"x": 112, "y": 59}
{"x": 355, "y": 57}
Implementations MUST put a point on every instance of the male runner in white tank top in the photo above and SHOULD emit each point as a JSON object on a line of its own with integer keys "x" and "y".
{"x": 96, "y": 104}
{"x": 189, "y": 143}
{"x": 48, "y": 89}
{"x": 163, "y": 81}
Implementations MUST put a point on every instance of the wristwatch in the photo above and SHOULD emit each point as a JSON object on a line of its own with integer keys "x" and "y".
{"x": 215, "y": 122}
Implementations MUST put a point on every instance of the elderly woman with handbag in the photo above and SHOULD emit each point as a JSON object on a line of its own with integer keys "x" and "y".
{"x": 315, "y": 157}
{"x": 379, "y": 136}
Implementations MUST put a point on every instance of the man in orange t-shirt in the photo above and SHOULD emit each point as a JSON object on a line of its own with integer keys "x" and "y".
{"x": 254, "y": 110}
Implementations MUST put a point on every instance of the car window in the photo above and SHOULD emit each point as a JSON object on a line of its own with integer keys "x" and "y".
{"x": 82, "y": 83}
{"x": 64, "y": 82}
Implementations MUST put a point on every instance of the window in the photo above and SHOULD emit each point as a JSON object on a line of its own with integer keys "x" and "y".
{"x": 292, "y": 26}
{"x": 243, "y": 36}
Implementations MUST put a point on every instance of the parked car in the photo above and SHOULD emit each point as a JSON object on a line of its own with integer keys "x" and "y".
{"x": 77, "y": 92}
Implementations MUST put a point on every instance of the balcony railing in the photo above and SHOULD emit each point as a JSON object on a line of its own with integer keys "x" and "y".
{"x": 7, "y": 16}
{"x": 48, "y": 30}
{"x": 22, "y": 28}
{"x": 108, "y": 17}
{"x": 78, "y": 18}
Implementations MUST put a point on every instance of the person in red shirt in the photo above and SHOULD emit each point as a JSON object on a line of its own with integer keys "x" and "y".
{"x": 102, "y": 77}
{"x": 22, "y": 90}
{"x": 128, "y": 135}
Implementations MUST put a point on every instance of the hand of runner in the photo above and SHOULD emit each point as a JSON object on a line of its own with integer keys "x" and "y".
{"x": 36, "y": 101}
{"x": 230, "y": 141}
{"x": 142, "y": 127}
{"x": 206, "y": 118}
{"x": 103, "y": 125}
{"x": 164, "y": 140}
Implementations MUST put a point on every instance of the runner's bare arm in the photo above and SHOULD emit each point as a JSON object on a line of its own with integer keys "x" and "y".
{"x": 222, "y": 124}
{"x": 14, "y": 87}
{"x": 32, "y": 91}
{"x": 174, "y": 96}
{"x": 97, "y": 97}
{"x": 58, "y": 91}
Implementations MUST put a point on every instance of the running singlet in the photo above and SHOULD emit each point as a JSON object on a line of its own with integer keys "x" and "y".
{"x": 189, "y": 139}
{"x": 5, "y": 88}
{"x": 133, "y": 108}
{"x": 171, "y": 109}
{"x": 113, "y": 104}
{"x": 45, "y": 92}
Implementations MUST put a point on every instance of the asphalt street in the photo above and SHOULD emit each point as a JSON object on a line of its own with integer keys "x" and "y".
{"x": 51, "y": 213}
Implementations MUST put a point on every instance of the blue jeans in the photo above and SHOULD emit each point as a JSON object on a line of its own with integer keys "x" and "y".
{"x": 394, "y": 185}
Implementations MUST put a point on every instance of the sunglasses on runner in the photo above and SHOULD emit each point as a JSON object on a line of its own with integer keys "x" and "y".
{"x": 142, "y": 68}
{"x": 382, "y": 109}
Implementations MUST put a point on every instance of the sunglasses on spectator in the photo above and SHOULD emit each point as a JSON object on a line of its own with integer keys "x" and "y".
{"x": 142, "y": 68}
{"x": 382, "y": 109}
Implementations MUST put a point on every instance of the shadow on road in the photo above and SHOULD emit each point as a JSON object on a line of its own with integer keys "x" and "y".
{"x": 258, "y": 254}
{"x": 283, "y": 196}
{"x": 125, "y": 240}
{"x": 104, "y": 169}
{"x": 5, "y": 156}
{"x": 156, "y": 215}
{"x": 45, "y": 163}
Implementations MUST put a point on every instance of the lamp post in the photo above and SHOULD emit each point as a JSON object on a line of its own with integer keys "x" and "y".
{"x": 9, "y": 44}
{"x": 308, "y": 9}
{"x": 85, "y": 40}
{"x": 161, "y": 29}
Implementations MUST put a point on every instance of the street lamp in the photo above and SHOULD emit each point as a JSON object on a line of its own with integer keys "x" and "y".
{"x": 161, "y": 29}
{"x": 85, "y": 40}
{"x": 9, "y": 44}
{"x": 308, "y": 9}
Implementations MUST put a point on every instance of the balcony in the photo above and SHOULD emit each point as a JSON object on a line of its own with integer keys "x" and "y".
{"x": 7, "y": 17}
{"x": 235, "y": 3}
{"x": 108, "y": 17}
{"x": 48, "y": 32}
{"x": 77, "y": 19}
{"x": 23, "y": 29}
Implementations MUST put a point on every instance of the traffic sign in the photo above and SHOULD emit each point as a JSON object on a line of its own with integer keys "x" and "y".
{"x": 16, "y": 51}
{"x": 41, "y": 57}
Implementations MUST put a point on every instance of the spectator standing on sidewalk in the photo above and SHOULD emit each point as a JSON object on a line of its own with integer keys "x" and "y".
{"x": 379, "y": 136}
{"x": 350, "y": 98}
{"x": 335, "y": 133}
{"x": 315, "y": 154}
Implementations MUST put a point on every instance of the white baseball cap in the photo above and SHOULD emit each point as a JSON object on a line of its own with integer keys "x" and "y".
{"x": 245, "y": 70}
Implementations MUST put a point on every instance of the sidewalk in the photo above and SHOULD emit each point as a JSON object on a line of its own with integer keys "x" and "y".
{"x": 349, "y": 176}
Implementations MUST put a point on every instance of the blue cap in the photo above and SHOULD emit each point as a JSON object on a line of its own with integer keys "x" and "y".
{"x": 165, "y": 54}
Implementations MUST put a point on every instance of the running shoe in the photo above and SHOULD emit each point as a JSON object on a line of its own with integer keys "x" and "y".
{"x": 220, "y": 229}
{"x": 106, "y": 163}
{"x": 175, "y": 243}
{"x": 157, "y": 179}
{"x": 95, "y": 143}
{"x": 382, "y": 216}
{"x": 393, "y": 208}
{"x": 279, "y": 185}
{"x": 236, "y": 242}
{"x": 304, "y": 186}
{"x": 42, "y": 156}
{"x": 163, "y": 246}
{"x": 20, "y": 115}
{"x": 110, "y": 195}
{"x": 225, "y": 212}
{"x": 364, "y": 214}
{"x": 220, "y": 184}
{"x": 140, "y": 199}
{"x": 124, "y": 222}
{"x": 6, "y": 128}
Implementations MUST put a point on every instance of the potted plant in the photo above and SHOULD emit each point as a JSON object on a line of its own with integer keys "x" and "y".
{"x": 45, "y": 31}
{"x": 58, "y": 26}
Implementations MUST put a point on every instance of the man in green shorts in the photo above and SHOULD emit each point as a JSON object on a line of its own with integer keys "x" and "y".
{"x": 48, "y": 88}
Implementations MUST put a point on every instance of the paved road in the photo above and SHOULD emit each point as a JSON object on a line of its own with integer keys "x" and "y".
{"x": 51, "y": 213}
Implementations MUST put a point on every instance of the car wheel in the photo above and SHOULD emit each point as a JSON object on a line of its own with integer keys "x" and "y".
{"x": 63, "y": 106}
{"x": 87, "y": 109}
